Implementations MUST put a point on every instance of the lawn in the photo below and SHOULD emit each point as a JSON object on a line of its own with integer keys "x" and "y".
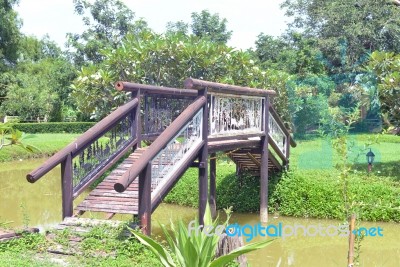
{"x": 317, "y": 155}
{"x": 48, "y": 144}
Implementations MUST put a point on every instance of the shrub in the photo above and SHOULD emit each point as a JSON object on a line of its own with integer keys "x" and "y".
{"x": 54, "y": 127}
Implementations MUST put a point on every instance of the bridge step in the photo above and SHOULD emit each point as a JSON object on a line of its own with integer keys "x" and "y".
{"x": 105, "y": 199}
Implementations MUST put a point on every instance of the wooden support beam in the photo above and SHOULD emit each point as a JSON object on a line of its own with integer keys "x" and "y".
{"x": 264, "y": 166}
{"x": 213, "y": 185}
{"x": 203, "y": 163}
{"x": 145, "y": 199}
{"x": 136, "y": 127}
{"x": 253, "y": 159}
{"x": 288, "y": 137}
{"x": 67, "y": 187}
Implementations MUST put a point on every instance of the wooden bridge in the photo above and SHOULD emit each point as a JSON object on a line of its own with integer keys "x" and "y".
{"x": 183, "y": 127}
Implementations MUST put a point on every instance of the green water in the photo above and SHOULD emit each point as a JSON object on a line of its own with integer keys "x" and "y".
{"x": 39, "y": 204}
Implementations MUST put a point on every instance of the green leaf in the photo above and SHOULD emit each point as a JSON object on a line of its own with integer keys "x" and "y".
{"x": 156, "y": 248}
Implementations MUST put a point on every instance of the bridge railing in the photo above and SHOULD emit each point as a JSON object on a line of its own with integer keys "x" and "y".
{"x": 93, "y": 153}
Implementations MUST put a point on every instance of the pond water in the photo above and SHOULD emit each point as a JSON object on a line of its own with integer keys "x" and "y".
{"x": 39, "y": 205}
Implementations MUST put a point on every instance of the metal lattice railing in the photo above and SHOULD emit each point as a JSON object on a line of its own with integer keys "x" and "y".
{"x": 232, "y": 114}
{"x": 171, "y": 156}
{"x": 277, "y": 134}
{"x": 160, "y": 111}
{"x": 101, "y": 151}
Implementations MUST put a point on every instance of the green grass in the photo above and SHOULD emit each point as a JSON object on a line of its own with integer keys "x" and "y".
{"x": 47, "y": 143}
{"x": 102, "y": 246}
{"x": 317, "y": 156}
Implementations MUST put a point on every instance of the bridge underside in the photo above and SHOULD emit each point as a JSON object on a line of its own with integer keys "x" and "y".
{"x": 245, "y": 154}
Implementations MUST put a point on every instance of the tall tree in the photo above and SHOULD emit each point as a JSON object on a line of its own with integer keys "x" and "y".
{"x": 205, "y": 24}
{"x": 108, "y": 23}
{"x": 292, "y": 52}
{"x": 9, "y": 33}
{"x": 347, "y": 30}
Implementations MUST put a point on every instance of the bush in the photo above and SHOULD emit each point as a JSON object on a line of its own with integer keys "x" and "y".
{"x": 318, "y": 194}
{"x": 54, "y": 127}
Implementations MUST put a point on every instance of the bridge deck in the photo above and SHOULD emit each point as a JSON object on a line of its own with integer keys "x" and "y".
{"x": 105, "y": 199}
{"x": 245, "y": 153}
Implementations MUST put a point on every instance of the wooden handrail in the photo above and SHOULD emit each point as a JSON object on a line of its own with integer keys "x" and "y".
{"x": 165, "y": 137}
{"x": 153, "y": 89}
{"x": 226, "y": 88}
{"x": 83, "y": 141}
{"x": 282, "y": 125}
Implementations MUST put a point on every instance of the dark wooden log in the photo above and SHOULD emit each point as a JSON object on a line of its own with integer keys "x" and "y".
{"x": 145, "y": 200}
{"x": 83, "y": 141}
{"x": 128, "y": 177}
{"x": 153, "y": 89}
{"x": 67, "y": 187}
{"x": 213, "y": 184}
{"x": 213, "y": 87}
{"x": 264, "y": 166}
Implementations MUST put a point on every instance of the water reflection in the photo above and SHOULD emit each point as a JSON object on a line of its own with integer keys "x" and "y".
{"x": 305, "y": 251}
{"x": 22, "y": 202}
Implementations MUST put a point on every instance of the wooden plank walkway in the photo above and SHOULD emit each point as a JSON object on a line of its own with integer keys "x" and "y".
{"x": 105, "y": 199}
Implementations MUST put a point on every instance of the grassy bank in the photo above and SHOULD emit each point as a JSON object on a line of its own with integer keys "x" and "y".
{"x": 47, "y": 143}
{"x": 312, "y": 187}
{"x": 101, "y": 246}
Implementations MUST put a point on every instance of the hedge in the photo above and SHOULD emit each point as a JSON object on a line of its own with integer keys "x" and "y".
{"x": 54, "y": 127}
{"x": 315, "y": 194}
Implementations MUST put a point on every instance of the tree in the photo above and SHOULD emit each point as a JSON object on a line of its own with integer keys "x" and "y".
{"x": 205, "y": 24}
{"x": 347, "y": 30}
{"x": 41, "y": 79}
{"x": 167, "y": 60}
{"x": 292, "y": 52}
{"x": 108, "y": 23}
{"x": 9, "y": 33}
{"x": 33, "y": 49}
{"x": 387, "y": 68}
{"x": 179, "y": 27}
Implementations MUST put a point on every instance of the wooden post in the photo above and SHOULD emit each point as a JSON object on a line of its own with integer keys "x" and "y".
{"x": 352, "y": 237}
{"x": 145, "y": 200}
{"x": 213, "y": 186}
{"x": 136, "y": 130}
{"x": 264, "y": 166}
{"x": 67, "y": 187}
{"x": 203, "y": 163}
{"x": 287, "y": 151}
